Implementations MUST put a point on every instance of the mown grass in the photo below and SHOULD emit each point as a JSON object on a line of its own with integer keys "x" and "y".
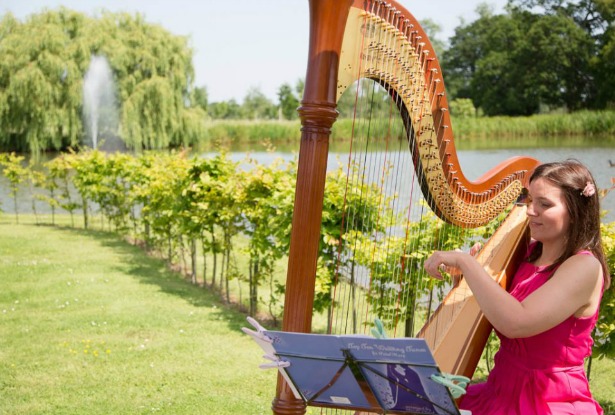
{"x": 91, "y": 324}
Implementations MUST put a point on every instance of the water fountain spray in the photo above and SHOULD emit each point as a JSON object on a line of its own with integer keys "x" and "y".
{"x": 100, "y": 109}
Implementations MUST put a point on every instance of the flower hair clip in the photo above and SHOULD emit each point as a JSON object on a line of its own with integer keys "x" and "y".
{"x": 589, "y": 190}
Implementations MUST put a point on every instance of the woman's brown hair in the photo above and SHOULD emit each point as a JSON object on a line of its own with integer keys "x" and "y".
{"x": 572, "y": 178}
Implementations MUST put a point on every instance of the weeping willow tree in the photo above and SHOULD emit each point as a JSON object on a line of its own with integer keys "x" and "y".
{"x": 43, "y": 61}
{"x": 155, "y": 77}
{"x": 40, "y": 83}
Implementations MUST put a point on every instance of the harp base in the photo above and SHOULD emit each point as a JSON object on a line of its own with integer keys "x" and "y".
{"x": 285, "y": 402}
{"x": 288, "y": 407}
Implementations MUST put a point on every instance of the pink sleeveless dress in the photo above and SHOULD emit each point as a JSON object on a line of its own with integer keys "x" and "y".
{"x": 542, "y": 374}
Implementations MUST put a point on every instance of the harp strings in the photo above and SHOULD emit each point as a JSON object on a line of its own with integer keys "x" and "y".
{"x": 387, "y": 179}
{"x": 382, "y": 168}
{"x": 386, "y": 163}
{"x": 344, "y": 292}
{"x": 404, "y": 299}
{"x": 362, "y": 154}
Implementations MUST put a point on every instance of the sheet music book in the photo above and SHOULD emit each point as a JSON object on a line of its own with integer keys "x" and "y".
{"x": 391, "y": 376}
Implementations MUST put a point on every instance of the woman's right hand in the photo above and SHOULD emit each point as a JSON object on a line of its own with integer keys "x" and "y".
{"x": 453, "y": 270}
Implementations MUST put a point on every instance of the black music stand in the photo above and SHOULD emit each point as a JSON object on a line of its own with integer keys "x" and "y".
{"x": 388, "y": 376}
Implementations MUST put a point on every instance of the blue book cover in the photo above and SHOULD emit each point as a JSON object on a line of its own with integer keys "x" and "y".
{"x": 363, "y": 373}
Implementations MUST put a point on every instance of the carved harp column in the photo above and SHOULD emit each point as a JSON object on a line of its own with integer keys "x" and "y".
{"x": 382, "y": 42}
{"x": 317, "y": 113}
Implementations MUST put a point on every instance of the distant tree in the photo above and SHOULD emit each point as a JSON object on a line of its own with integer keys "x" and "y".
{"x": 593, "y": 16}
{"x": 365, "y": 91}
{"x": 479, "y": 62}
{"x": 466, "y": 47}
{"x": 605, "y": 73}
{"x": 462, "y": 108}
{"x": 155, "y": 74}
{"x": 42, "y": 63}
{"x": 516, "y": 63}
{"x": 288, "y": 102}
{"x": 554, "y": 62}
{"x": 299, "y": 87}
{"x": 200, "y": 97}
{"x": 433, "y": 30}
{"x": 346, "y": 102}
{"x": 229, "y": 110}
{"x": 257, "y": 106}
{"x": 596, "y": 18}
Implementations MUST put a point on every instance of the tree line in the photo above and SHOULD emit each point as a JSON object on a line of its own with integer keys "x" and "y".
{"x": 538, "y": 56}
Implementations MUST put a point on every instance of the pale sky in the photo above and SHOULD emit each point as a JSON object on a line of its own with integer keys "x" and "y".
{"x": 241, "y": 44}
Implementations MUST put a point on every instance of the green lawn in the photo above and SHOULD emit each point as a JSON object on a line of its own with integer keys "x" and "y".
{"x": 89, "y": 324}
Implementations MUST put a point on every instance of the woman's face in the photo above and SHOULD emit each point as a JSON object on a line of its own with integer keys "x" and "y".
{"x": 547, "y": 211}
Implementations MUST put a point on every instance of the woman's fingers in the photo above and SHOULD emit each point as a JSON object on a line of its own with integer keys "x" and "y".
{"x": 454, "y": 272}
{"x": 448, "y": 261}
{"x": 433, "y": 265}
{"x": 443, "y": 261}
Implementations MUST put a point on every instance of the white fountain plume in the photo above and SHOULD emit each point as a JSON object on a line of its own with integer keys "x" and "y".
{"x": 100, "y": 109}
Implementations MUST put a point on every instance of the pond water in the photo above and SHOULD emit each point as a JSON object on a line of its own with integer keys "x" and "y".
{"x": 474, "y": 163}
{"x": 477, "y": 162}
{"x": 598, "y": 160}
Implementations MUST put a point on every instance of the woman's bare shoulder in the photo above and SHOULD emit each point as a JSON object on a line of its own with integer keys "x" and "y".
{"x": 581, "y": 268}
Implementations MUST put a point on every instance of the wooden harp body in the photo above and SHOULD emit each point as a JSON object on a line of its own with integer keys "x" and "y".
{"x": 382, "y": 42}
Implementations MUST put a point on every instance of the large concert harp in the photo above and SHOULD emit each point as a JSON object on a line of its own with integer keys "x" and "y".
{"x": 381, "y": 41}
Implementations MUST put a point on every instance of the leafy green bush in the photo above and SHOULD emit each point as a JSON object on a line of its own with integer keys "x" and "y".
{"x": 605, "y": 329}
